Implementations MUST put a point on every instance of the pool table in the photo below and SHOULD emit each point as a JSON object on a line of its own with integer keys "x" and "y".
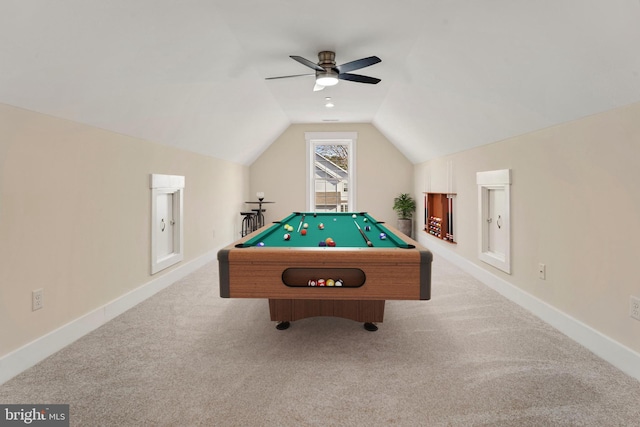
{"x": 304, "y": 275}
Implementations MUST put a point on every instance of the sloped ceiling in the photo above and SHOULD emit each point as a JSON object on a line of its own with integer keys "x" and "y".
{"x": 191, "y": 73}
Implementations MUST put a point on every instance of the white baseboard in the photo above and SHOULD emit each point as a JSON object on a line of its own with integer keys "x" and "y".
{"x": 28, "y": 355}
{"x": 620, "y": 356}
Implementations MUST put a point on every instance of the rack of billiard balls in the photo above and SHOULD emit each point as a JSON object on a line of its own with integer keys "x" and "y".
{"x": 323, "y": 282}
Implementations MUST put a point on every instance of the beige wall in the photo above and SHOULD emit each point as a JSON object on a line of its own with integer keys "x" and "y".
{"x": 75, "y": 217}
{"x": 575, "y": 206}
{"x": 75, "y": 211}
{"x": 382, "y": 172}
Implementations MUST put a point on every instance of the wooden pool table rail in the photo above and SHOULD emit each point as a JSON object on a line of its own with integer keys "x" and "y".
{"x": 391, "y": 273}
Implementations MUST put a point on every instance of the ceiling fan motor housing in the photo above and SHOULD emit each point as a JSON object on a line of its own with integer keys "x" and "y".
{"x": 327, "y": 59}
{"x": 329, "y": 76}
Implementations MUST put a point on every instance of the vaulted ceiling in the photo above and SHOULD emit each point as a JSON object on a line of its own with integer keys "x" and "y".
{"x": 191, "y": 73}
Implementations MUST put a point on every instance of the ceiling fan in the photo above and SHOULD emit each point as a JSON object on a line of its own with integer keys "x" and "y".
{"x": 328, "y": 73}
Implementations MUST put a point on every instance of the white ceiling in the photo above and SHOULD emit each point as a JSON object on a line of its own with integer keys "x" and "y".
{"x": 455, "y": 73}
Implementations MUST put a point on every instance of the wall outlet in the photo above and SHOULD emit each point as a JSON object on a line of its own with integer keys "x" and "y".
{"x": 634, "y": 308}
{"x": 542, "y": 271}
{"x": 37, "y": 299}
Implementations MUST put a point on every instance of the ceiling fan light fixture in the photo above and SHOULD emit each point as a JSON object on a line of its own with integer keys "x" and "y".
{"x": 328, "y": 78}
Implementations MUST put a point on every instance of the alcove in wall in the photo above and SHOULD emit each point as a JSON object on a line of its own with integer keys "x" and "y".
{"x": 494, "y": 224}
{"x": 166, "y": 221}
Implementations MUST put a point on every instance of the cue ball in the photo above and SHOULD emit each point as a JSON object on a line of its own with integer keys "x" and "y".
{"x": 354, "y": 216}
{"x": 287, "y": 236}
{"x": 303, "y": 232}
{"x": 305, "y": 225}
{"x": 383, "y": 236}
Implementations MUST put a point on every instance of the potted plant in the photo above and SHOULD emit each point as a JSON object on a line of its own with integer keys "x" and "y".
{"x": 405, "y": 206}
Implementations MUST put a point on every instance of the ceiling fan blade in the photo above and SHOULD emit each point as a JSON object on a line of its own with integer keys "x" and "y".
{"x": 318, "y": 87}
{"x": 358, "y": 78}
{"x": 286, "y": 77}
{"x": 306, "y": 62}
{"x": 359, "y": 63}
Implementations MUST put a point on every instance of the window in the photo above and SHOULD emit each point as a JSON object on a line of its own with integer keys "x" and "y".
{"x": 330, "y": 171}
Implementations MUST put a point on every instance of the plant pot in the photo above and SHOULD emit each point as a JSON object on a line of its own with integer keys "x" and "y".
{"x": 405, "y": 226}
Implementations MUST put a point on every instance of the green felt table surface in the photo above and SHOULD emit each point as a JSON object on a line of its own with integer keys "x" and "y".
{"x": 341, "y": 227}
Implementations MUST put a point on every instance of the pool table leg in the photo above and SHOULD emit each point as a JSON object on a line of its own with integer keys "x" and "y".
{"x": 371, "y": 327}
{"x": 281, "y": 326}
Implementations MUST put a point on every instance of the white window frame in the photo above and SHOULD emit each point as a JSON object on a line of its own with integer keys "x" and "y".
{"x": 328, "y": 138}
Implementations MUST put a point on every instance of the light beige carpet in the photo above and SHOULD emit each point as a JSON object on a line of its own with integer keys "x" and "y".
{"x": 468, "y": 357}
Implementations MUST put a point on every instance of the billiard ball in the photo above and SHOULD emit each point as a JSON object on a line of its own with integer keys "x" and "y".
{"x": 321, "y": 282}
{"x": 260, "y": 244}
{"x": 305, "y": 225}
{"x": 367, "y": 228}
{"x": 354, "y": 216}
{"x": 286, "y": 227}
{"x": 328, "y": 240}
{"x": 303, "y": 232}
{"x": 330, "y": 282}
{"x": 365, "y": 219}
{"x": 321, "y": 226}
{"x": 383, "y": 236}
{"x": 331, "y": 244}
{"x": 290, "y": 229}
{"x": 339, "y": 282}
{"x": 287, "y": 236}
{"x": 312, "y": 283}
{"x": 322, "y": 244}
